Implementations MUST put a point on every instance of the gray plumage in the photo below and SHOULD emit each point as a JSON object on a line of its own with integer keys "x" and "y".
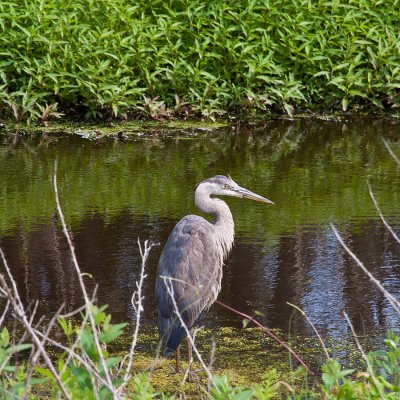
{"x": 191, "y": 261}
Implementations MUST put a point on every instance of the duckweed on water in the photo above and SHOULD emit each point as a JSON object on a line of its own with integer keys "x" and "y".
{"x": 245, "y": 356}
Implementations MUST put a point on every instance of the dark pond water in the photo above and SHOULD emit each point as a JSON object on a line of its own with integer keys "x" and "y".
{"x": 114, "y": 192}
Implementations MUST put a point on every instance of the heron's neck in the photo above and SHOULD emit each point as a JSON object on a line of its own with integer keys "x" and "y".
{"x": 223, "y": 220}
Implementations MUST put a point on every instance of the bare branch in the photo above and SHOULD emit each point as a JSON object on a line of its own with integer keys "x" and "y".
{"x": 380, "y": 214}
{"x": 212, "y": 360}
{"x": 72, "y": 313}
{"x": 75, "y": 344}
{"x": 190, "y": 361}
{"x": 33, "y": 313}
{"x": 392, "y": 300}
{"x": 391, "y": 151}
{"x": 78, "y": 337}
{"x": 4, "y": 312}
{"x": 19, "y": 310}
{"x": 137, "y": 304}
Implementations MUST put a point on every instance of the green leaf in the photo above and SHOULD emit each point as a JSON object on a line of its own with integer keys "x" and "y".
{"x": 99, "y": 315}
{"x": 9, "y": 368}
{"x": 82, "y": 376}
{"x": 111, "y": 361}
{"x": 346, "y": 372}
{"x": 113, "y": 332}
{"x": 246, "y": 394}
{"x": 63, "y": 324}
{"x": 104, "y": 393}
{"x": 36, "y": 381}
{"x": 328, "y": 380}
{"x": 45, "y": 372}
{"x": 19, "y": 347}
{"x": 325, "y": 73}
{"x": 345, "y": 103}
{"x": 88, "y": 345}
{"x": 4, "y": 337}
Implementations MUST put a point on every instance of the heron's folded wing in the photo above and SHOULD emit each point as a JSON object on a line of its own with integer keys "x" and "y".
{"x": 190, "y": 268}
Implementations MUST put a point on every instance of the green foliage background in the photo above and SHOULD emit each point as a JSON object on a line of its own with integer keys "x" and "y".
{"x": 102, "y": 57}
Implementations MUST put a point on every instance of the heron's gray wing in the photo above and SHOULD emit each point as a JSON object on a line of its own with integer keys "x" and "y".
{"x": 191, "y": 265}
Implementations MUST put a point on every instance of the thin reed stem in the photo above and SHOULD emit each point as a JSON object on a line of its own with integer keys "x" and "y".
{"x": 364, "y": 356}
{"x": 312, "y": 326}
{"x": 392, "y": 300}
{"x": 381, "y": 215}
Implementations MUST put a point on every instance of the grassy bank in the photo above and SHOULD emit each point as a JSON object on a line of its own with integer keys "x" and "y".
{"x": 162, "y": 58}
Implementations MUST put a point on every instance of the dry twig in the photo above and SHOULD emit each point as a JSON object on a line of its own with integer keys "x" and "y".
{"x": 370, "y": 370}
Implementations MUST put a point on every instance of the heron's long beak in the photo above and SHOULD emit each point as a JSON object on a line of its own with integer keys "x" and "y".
{"x": 246, "y": 194}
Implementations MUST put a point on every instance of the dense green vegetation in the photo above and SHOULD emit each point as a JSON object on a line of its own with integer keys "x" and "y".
{"x": 178, "y": 57}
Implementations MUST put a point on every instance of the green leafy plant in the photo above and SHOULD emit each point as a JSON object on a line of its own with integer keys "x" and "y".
{"x": 102, "y": 59}
{"x": 224, "y": 391}
{"x": 380, "y": 380}
{"x": 12, "y": 377}
{"x": 79, "y": 380}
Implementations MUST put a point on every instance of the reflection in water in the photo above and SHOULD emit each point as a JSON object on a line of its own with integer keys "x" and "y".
{"x": 114, "y": 193}
{"x": 326, "y": 284}
{"x": 309, "y": 269}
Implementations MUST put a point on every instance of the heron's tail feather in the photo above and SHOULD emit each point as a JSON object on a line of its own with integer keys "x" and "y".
{"x": 171, "y": 334}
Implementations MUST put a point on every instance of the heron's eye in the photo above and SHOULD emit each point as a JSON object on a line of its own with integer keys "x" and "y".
{"x": 227, "y": 186}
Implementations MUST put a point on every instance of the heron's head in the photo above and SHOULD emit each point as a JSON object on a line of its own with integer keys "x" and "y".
{"x": 221, "y": 185}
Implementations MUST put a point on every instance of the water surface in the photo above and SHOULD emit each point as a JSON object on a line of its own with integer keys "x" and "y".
{"x": 114, "y": 192}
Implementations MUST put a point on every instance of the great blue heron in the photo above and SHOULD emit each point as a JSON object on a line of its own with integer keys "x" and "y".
{"x": 189, "y": 272}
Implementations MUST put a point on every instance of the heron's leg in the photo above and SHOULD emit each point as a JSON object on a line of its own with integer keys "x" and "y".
{"x": 177, "y": 359}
